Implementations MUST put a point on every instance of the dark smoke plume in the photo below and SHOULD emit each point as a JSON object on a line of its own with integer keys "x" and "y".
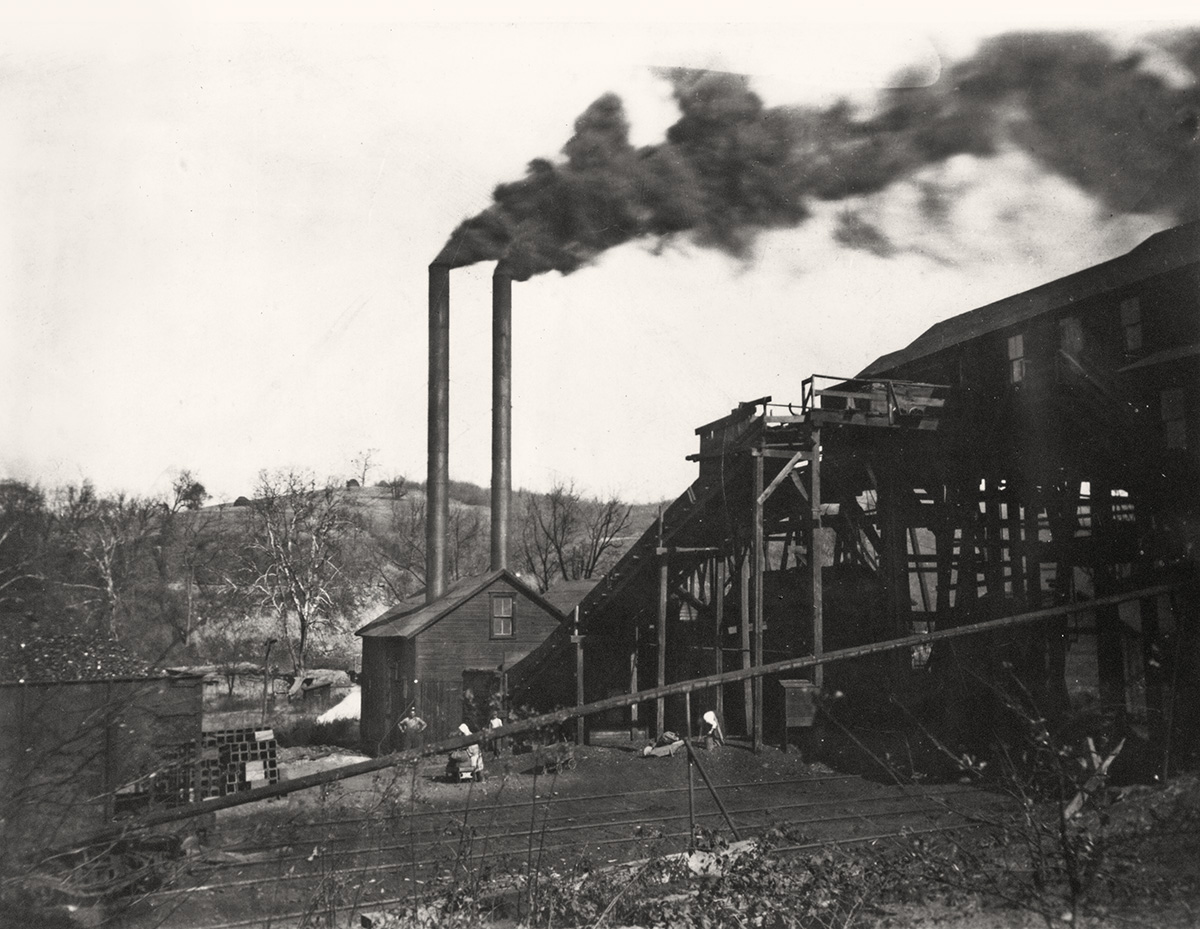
{"x": 1120, "y": 125}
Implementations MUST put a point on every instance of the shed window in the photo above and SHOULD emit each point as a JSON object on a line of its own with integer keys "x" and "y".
{"x": 502, "y": 616}
{"x": 1173, "y": 417}
{"x": 1016, "y": 358}
{"x": 1131, "y": 322}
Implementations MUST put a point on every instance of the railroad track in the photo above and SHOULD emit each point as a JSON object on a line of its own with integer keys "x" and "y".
{"x": 368, "y": 862}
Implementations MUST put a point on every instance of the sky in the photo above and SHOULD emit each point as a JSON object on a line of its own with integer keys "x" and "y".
{"x": 218, "y": 231}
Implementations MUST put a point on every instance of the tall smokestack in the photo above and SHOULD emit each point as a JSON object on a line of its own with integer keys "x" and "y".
{"x": 501, "y": 413}
{"x": 437, "y": 485}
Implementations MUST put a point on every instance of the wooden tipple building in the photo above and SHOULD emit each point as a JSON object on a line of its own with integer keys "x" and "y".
{"x": 1038, "y": 452}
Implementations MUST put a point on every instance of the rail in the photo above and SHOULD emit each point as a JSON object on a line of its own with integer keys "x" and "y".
{"x": 867, "y": 401}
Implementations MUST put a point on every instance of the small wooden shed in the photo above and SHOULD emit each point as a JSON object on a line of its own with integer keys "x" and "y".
{"x": 83, "y": 724}
{"x": 449, "y": 658}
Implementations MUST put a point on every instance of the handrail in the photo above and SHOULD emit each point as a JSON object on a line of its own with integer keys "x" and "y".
{"x": 810, "y": 391}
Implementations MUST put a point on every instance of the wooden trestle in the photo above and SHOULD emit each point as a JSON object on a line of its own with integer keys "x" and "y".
{"x": 868, "y": 512}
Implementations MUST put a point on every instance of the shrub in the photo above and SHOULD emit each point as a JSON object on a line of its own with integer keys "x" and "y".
{"x": 343, "y": 733}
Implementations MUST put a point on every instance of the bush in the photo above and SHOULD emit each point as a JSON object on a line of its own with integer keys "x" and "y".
{"x": 343, "y": 733}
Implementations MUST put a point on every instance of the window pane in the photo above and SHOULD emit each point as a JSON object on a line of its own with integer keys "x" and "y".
{"x": 1016, "y": 347}
{"x": 502, "y": 606}
{"x": 1133, "y": 338}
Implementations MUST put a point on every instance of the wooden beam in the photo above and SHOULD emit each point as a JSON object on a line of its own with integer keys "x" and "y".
{"x": 578, "y": 678}
{"x": 781, "y": 476}
{"x": 660, "y": 713}
{"x": 719, "y": 613}
{"x": 401, "y": 759}
{"x": 744, "y": 616}
{"x": 690, "y": 599}
{"x": 917, "y": 557}
{"x": 1110, "y": 647}
{"x": 759, "y": 559}
{"x": 633, "y": 679}
{"x": 814, "y": 562}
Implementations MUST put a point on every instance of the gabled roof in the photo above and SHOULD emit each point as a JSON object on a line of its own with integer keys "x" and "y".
{"x": 1163, "y": 251}
{"x": 414, "y": 615}
{"x": 30, "y": 656}
{"x": 566, "y": 595}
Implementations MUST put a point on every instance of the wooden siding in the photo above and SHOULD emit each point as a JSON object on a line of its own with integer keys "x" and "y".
{"x": 385, "y": 679}
{"x": 427, "y": 670}
{"x": 462, "y": 641}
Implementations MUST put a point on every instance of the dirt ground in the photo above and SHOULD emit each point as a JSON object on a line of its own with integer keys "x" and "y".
{"x": 615, "y": 806}
{"x": 849, "y": 816}
{"x": 811, "y": 804}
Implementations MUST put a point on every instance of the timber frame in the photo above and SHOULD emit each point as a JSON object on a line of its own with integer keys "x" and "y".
{"x": 863, "y": 516}
{"x": 1021, "y": 457}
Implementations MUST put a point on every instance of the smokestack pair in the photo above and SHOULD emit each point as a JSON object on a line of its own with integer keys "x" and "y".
{"x": 437, "y": 485}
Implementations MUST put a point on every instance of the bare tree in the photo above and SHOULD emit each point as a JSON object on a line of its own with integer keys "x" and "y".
{"x": 399, "y": 545}
{"x": 399, "y": 548}
{"x": 108, "y": 540}
{"x": 364, "y": 464}
{"x": 25, "y": 537}
{"x": 192, "y": 560}
{"x": 548, "y": 532}
{"x": 299, "y": 560}
{"x": 566, "y": 537}
{"x": 468, "y": 538}
{"x": 604, "y": 522}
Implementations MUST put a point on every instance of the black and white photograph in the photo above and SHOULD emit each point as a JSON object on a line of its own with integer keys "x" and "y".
{"x": 533, "y": 466}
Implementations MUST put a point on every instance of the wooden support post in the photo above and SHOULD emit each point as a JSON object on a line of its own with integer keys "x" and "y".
{"x": 1063, "y": 517}
{"x": 687, "y": 704}
{"x": 712, "y": 790}
{"x": 1152, "y": 662}
{"x": 660, "y": 712}
{"x": 633, "y": 680}
{"x": 966, "y": 586}
{"x": 922, "y": 582}
{"x": 1018, "y": 566}
{"x": 814, "y": 560}
{"x": 943, "y": 540}
{"x": 759, "y": 558}
{"x": 578, "y": 678}
{"x": 1029, "y": 558}
{"x": 1110, "y": 652}
{"x": 719, "y": 612}
{"x": 994, "y": 565}
{"x": 744, "y": 607}
{"x": 1030, "y": 550}
{"x": 894, "y": 557}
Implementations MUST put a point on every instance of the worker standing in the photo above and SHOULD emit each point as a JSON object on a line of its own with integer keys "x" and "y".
{"x": 411, "y": 726}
